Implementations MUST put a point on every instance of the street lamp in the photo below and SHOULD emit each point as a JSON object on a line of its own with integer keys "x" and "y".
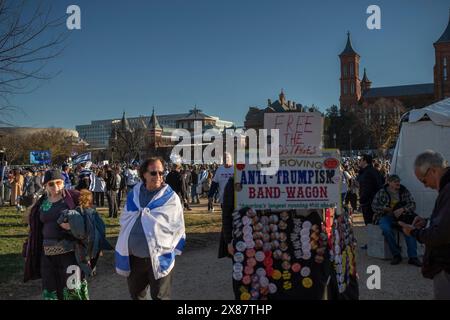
{"x": 334, "y": 138}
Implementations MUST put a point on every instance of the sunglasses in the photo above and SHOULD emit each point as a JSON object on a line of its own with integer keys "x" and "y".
{"x": 154, "y": 173}
{"x": 53, "y": 183}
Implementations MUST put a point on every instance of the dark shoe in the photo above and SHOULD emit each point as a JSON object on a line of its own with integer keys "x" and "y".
{"x": 188, "y": 209}
{"x": 396, "y": 260}
{"x": 415, "y": 262}
{"x": 364, "y": 247}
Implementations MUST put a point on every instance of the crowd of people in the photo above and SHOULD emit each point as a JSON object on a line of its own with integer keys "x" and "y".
{"x": 156, "y": 195}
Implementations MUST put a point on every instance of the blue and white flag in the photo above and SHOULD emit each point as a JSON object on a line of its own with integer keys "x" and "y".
{"x": 163, "y": 223}
{"x": 84, "y": 157}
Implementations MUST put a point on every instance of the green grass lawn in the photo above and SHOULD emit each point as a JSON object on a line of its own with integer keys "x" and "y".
{"x": 14, "y": 231}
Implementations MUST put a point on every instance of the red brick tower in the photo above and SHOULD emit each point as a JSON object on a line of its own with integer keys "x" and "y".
{"x": 442, "y": 65}
{"x": 350, "y": 83}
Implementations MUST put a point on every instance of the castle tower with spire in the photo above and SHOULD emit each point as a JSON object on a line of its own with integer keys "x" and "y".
{"x": 350, "y": 83}
{"x": 442, "y": 65}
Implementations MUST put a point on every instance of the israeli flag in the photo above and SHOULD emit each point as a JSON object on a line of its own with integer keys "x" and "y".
{"x": 163, "y": 224}
{"x": 84, "y": 157}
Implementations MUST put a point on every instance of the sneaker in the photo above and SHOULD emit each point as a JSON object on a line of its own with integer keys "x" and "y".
{"x": 415, "y": 262}
{"x": 396, "y": 260}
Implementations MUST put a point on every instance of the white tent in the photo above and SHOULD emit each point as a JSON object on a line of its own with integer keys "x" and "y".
{"x": 421, "y": 129}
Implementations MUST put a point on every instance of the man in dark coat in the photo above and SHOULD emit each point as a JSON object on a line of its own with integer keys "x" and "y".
{"x": 370, "y": 181}
{"x": 432, "y": 170}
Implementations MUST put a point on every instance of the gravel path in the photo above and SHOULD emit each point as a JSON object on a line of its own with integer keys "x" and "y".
{"x": 214, "y": 281}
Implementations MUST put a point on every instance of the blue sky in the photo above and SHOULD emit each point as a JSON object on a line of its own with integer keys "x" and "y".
{"x": 225, "y": 56}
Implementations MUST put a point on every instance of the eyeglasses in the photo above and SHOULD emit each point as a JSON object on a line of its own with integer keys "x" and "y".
{"x": 154, "y": 173}
{"x": 424, "y": 178}
{"x": 53, "y": 183}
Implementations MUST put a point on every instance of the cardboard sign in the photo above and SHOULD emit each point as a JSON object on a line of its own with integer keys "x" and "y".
{"x": 300, "y": 183}
{"x": 300, "y": 132}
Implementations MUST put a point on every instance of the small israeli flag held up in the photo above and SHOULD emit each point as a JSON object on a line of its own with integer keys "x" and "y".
{"x": 84, "y": 157}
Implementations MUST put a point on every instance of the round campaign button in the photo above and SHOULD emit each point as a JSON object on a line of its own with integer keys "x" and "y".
{"x": 251, "y": 262}
{"x": 282, "y": 225}
{"x": 264, "y": 281}
{"x": 240, "y": 246}
{"x": 307, "y": 283}
{"x": 277, "y": 254}
{"x": 273, "y": 227}
{"x": 283, "y": 236}
{"x": 286, "y": 265}
{"x": 254, "y": 294}
{"x": 273, "y": 218}
{"x": 259, "y": 256}
{"x": 237, "y": 276}
{"x": 306, "y": 255}
{"x": 250, "y": 244}
{"x": 246, "y": 220}
{"x": 296, "y": 267}
{"x": 267, "y": 247}
{"x": 259, "y": 244}
{"x": 305, "y": 272}
{"x": 247, "y": 229}
{"x": 306, "y": 246}
{"x": 306, "y": 225}
{"x": 284, "y": 215}
{"x": 269, "y": 271}
{"x": 272, "y": 288}
{"x": 238, "y": 267}
{"x": 268, "y": 262}
{"x": 304, "y": 232}
{"x": 249, "y": 253}
{"x": 238, "y": 257}
{"x": 284, "y": 246}
{"x": 285, "y": 256}
{"x": 265, "y": 220}
{"x": 276, "y": 274}
{"x": 249, "y": 270}
{"x": 266, "y": 237}
{"x": 261, "y": 272}
{"x": 245, "y": 296}
{"x": 246, "y": 280}
{"x": 304, "y": 239}
{"x": 248, "y": 237}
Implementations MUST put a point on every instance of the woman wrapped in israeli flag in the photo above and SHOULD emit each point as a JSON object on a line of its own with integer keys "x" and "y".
{"x": 152, "y": 233}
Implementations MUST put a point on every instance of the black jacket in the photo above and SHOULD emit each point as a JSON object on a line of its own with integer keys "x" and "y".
{"x": 174, "y": 180}
{"x": 370, "y": 181}
{"x": 226, "y": 236}
{"x": 437, "y": 236}
{"x": 111, "y": 181}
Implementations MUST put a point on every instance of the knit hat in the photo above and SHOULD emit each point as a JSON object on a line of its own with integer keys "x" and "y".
{"x": 53, "y": 174}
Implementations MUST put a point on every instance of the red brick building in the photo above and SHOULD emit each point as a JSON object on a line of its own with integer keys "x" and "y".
{"x": 356, "y": 92}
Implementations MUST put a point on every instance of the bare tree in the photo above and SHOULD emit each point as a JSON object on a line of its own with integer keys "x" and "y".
{"x": 381, "y": 120}
{"x": 29, "y": 38}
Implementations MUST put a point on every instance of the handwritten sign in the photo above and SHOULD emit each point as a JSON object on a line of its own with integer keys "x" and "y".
{"x": 300, "y": 132}
{"x": 300, "y": 183}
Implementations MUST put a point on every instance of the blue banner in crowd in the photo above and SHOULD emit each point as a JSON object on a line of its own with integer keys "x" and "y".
{"x": 40, "y": 157}
{"x": 84, "y": 157}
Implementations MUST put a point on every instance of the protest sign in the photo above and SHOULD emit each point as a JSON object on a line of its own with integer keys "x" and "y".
{"x": 300, "y": 183}
{"x": 300, "y": 132}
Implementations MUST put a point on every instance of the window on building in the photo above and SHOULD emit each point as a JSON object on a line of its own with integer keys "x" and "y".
{"x": 345, "y": 70}
{"x": 351, "y": 69}
{"x": 352, "y": 88}
{"x": 345, "y": 88}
